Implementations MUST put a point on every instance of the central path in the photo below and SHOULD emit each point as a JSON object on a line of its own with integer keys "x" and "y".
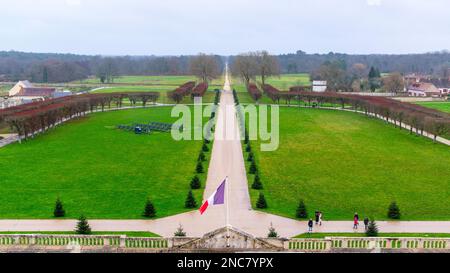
{"x": 226, "y": 160}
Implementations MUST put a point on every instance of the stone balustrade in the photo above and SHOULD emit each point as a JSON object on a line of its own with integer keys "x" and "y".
{"x": 336, "y": 243}
{"x": 216, "y": 241}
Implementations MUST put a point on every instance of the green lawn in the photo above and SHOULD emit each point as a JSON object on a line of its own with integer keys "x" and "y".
{"x": 354, "y": 234}
{"x": 287, "y": 80}
{"x": 342, "y": 163}
{"x": 443, "y": 106}
{"x": 98, "y": 170}
{"x": 156, "y": 80}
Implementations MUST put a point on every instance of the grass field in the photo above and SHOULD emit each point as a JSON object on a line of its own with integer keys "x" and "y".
{"x": 154, "y": 80}
{"x": 162, "y": 84}
{"x": 282, "y": 83}
{"x": 98, "y": 170}
{"x": 441, "y": 106}
{"x": 342, "y": 163}
{"x": 287, "y": 80}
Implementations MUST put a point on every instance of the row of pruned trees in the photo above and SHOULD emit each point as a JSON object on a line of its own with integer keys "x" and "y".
{"x": 183, "y": 90}
{"x": 419, "y": 118}
{"x": 29, "y": 119}
{"x": 254, "y": 91}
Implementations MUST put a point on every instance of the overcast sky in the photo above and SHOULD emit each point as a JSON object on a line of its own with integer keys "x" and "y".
{"x": 174, "y": 27}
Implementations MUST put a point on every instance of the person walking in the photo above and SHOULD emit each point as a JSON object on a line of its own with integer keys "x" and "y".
{"x": 320, "y": 218}
{"x": 366, "y": 223}
{"x": 317, "y": 217}
{"x": 310, "y": 225}
{"x": 355, "y": 221}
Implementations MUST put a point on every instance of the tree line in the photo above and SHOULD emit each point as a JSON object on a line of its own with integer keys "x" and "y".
{"x": 433, "y": 63}
{"x": 56, "y": 68}
{"x": 32, "y": 118}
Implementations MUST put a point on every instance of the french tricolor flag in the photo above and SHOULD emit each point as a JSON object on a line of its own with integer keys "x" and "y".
{"x": 217, "y": 198}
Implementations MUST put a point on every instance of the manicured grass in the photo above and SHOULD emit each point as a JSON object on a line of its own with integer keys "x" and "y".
{"x": 323, "y": 235}
{"x": 127, "y": 233}
{"x": 98, "y": 170}
{"x": 441, "y": 106}
{"x": 287, "y": 80}
{"x": 157, "y": 80}
{"x": 342, "y": 163}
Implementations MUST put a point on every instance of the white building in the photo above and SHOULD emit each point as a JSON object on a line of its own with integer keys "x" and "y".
{"x": 423, "y": 89}
{"x": 319, "y": 86}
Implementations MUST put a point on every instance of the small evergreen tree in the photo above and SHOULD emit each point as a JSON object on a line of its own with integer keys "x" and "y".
{"x": 83, "y": 226}
{"x": 205, "y": 148}
{"x": 301, "y": 210}
{"x": 246, "y": 137}
{"x": 195, "y": 183}
{"x": 394, "y": 211}
{"x": 190, "y": 201}
{"x": 261, "y": 203}
{"x": 180, "y": 232}
{"x": 201, "y": 156}
{"x": 206, "y": 141}
{"x": 372, "y": 229}
{"x": 257, "y": 185}
{"x": 250, "y": 157}
{"x": 272, "y": 232}
{"x": 149, "y": 210}
{"x": 199, "y": 168}
{"x": 248, "y": 148}
{"x": 59, "y": 209}
{"x": 253, "y": 168}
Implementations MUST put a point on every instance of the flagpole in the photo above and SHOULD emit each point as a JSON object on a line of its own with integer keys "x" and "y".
{"x": 227, "y": 212}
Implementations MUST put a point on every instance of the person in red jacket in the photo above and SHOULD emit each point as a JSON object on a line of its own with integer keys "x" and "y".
{"x": 355, "y": 221}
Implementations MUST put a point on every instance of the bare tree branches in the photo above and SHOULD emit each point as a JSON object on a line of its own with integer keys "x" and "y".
{"x": 205, "y": 67}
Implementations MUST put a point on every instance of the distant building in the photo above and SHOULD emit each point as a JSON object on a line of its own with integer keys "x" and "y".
{"x": 59, "y": 94}
{"x": 26, "y": 89}
{"x": 319, "y": 86}
{"x": 423, "y": 89}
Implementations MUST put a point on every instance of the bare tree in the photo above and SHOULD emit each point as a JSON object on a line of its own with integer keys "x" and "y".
{"x": 205, "y": 67}
{"x": 359, "y": 70}
{"x": 244, "y": 66}
{"x": 394, "y": 83}
{"x": 267, "y": 65}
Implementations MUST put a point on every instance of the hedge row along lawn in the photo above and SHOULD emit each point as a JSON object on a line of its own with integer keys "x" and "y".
{"x": 341, "y": 163}
{"x": 97, "y": 170}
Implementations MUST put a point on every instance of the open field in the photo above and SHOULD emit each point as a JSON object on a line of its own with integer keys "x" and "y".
{"x": 342, "y": 163}
{"x": 441, "y": 106}
{"x": 282, "y": 83}
{"x": 98, "y": 170}
{"x": 287, "y": 80}
{"x": 153, "y": 80}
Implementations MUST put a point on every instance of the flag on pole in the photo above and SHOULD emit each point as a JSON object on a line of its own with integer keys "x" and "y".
{"x": 217, "y": 198}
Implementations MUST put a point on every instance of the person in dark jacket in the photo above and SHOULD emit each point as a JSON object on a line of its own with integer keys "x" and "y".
{"x": 310, "y": 225}
{"x": 317, "y": 217}
{"x": 366, "y": 223}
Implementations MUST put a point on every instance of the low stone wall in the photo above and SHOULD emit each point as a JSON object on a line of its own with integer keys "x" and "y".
{"x": 337, "y": 244}
{"x": 107, "y": 243}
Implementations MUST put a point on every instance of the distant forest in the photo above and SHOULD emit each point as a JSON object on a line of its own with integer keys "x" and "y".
{"x": 55, "y": 68}
{"x": 435, "y": 63}
{"x": 48, "y": 67}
